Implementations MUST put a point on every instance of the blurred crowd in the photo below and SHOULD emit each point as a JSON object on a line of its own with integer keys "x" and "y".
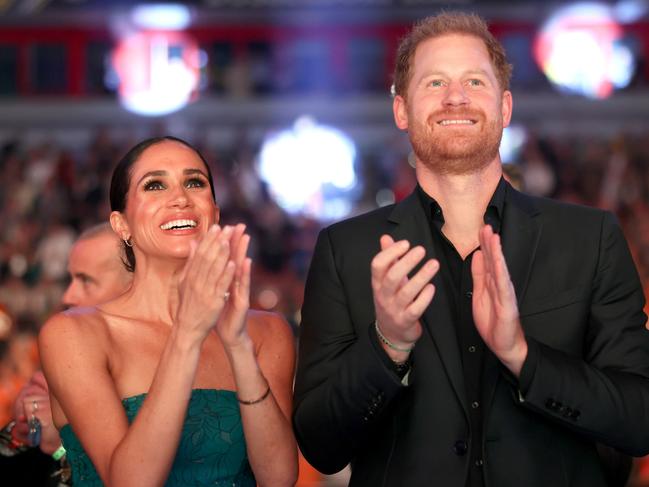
{"x": 50, "y": 193}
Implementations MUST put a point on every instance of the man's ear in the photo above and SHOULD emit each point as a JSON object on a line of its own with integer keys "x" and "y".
{"x": 506, "y": 107}
{"x": 400, "y": 111}
{"x": 120, "y": 226}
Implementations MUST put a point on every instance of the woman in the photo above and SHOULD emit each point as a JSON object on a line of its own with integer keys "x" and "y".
{"x": 162, "y": 384}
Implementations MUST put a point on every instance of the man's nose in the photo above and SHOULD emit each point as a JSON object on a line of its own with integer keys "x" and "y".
{"x": 71, "y": 295}
{"x": 455, "y": 94}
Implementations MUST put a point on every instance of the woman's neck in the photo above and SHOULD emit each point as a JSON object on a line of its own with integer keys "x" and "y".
{"x": 153, "y": 295}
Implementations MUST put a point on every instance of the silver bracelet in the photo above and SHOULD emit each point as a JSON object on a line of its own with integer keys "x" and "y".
{"x": 388, "y": 342}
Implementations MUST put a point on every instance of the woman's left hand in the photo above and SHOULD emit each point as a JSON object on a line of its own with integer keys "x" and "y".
{"x": 231, "y": 325}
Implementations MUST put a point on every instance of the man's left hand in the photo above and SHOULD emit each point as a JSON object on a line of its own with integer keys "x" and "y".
{"x": 495, "y": 311}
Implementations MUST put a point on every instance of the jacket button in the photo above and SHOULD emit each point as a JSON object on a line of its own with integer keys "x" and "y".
{"x": 552, "y": 404}
{"x": 460, "y": 447}
{"x": 566, "y": 412}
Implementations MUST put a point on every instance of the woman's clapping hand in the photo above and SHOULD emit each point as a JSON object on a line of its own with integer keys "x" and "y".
{"x": 204, "y": 282}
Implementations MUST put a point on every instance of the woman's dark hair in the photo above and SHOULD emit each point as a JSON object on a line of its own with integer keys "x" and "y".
{"x": 121, "y": 180}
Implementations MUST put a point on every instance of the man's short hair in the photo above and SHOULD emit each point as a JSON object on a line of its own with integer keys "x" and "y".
{"x": 443, "y": 24}
{"x": 96, "y": 230}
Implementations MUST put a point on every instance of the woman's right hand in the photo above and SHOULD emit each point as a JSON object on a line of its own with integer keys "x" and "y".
{"x": 204, "y": 281}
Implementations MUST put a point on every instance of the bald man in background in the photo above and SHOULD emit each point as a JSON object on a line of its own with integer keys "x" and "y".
{"x": 96, "y": 269}
{"x": 97, "y": 274}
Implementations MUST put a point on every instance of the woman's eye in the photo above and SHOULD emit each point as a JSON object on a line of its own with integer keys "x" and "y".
{"x": 195, "y": 183}
{"x": 153, "y": 186}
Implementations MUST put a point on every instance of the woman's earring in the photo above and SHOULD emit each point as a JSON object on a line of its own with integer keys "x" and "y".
{"x": 128, "y": 242}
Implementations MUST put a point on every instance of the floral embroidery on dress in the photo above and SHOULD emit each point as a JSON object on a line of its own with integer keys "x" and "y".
{"x": 212, "y": 448}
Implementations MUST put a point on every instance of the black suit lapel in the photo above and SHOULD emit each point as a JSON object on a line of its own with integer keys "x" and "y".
{"x": 520, "y": 236}
{"x": 521, "y": 230}
{"x": 412, "y": 225}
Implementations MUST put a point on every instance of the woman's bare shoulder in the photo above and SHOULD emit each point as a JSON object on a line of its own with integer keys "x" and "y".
{"x": 264, "y": 325}
{"x": 74, "y": 324}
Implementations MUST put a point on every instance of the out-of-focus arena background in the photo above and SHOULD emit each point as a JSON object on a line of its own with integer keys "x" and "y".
{"x": 289, "y": 100}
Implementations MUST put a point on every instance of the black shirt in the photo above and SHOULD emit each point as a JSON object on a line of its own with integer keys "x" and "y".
{"x": 457, "y": 279}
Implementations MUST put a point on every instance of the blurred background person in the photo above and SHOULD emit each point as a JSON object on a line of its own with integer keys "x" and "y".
{"x": 96, "y": 269}
{"x": 97, "y": 274}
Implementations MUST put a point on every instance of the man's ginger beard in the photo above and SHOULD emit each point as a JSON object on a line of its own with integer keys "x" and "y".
{"x": 458, "y": 151}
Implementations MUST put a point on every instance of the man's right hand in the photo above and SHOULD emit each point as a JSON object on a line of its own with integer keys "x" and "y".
{"x": 400, "y": 301}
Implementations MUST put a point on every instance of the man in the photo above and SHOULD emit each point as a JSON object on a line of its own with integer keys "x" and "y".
{"x": 96, "y": 271}
{"x": 469, "y": 335}
{"x": 97, "y": 275}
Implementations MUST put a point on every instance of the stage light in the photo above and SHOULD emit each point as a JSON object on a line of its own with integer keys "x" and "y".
{"x": 309, "y": 169}
{"x": 169, "y": 16}
{"x": 581, "y": 50}
{"x": 157, "y": 72}
{"x": 630, "y": 10}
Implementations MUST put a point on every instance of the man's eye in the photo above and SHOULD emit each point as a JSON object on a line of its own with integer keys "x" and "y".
{"x": 153, "y": 186}
{"x": 475, "y": 82}
{"x": 195, "y": 183}
{"x": 436, "y": 83}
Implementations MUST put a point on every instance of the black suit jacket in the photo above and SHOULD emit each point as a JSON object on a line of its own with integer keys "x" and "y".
{"x": 586, "y": 378}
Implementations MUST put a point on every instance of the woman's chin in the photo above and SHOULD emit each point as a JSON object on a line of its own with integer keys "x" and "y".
{"x": 179, "y": 252}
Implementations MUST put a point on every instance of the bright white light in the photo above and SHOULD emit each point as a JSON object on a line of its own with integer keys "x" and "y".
{"x": 169, "y": 16}
{"x": 512, "y": 141}
{"x": 627, "y": 11}
{"x": 622, "y": 66}
{"x": 310, "y": 169}
{"x": 580, "y": 50}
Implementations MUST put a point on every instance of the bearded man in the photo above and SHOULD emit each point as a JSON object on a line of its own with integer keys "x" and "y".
{"x": 469, "y": 335}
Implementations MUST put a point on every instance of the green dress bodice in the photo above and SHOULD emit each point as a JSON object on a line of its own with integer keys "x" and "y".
{"x": 212, "y": 448}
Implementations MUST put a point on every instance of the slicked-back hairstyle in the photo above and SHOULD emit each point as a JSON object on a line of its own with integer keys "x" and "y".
{"x": 443, "y": 24}
{"x": 121, "y": 180}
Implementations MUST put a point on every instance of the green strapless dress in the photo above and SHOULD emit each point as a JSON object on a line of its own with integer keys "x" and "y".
{"x": 212, "y": 449}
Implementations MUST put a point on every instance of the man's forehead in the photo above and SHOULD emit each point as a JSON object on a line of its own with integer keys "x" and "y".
{"x": 93, "y": 253}
{"x": 445, "y": 48}
{"x": 452, "y": 55}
